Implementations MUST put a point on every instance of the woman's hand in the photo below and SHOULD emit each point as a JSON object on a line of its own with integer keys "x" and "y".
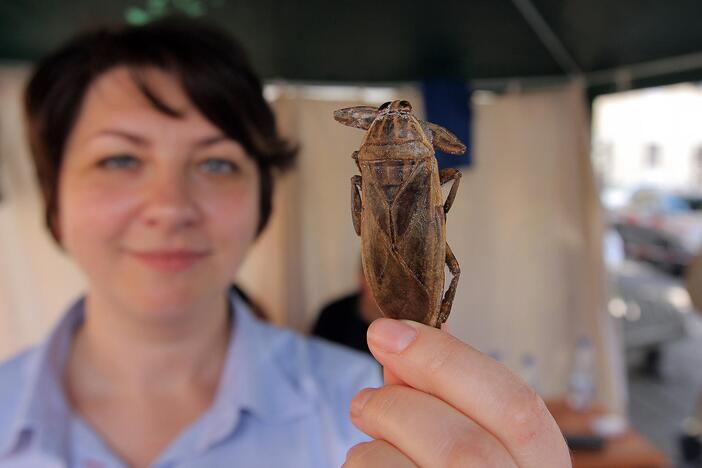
{"x": 444, "y": 404}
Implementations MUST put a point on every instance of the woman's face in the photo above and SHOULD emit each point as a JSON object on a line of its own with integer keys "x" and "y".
{"x": 158, "y": 211}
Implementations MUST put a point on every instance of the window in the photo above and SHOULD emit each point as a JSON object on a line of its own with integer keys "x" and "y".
{"x": 652, "y": 155}
{"x": 697, "y": 166}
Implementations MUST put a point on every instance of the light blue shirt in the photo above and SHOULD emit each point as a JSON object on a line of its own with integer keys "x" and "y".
{"x": 282, "y": 401}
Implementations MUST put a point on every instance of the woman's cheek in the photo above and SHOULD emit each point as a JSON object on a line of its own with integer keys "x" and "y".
{"x": 94, "y": 213}
{"x": 234, "y": 216}
{"x": 237, "y": 218}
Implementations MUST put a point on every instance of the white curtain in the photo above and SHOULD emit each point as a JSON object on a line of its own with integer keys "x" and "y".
{"x": 525, "y": 228}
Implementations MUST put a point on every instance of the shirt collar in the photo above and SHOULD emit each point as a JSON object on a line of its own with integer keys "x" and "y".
{"x": 263, "y": 375}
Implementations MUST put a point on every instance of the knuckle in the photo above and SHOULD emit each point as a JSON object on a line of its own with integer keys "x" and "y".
{"x": 443, "y": 357}
{"x": 382, "y": 404}
{"x": 473, "y": 451}
{"x": 460, "y": 453}
{"x": 527, "y": 415}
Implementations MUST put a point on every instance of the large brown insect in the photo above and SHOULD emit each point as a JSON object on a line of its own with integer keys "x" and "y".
{"x": 398, "y": 210}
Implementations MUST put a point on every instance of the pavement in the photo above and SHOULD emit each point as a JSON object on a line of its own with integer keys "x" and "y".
{"x": 658, "y": 404}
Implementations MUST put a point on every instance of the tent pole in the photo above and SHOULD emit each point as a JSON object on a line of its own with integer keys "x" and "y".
{"x": 550, "y": 40}
{"x": 623, "y": 77}
{"x": 649, "y": 69}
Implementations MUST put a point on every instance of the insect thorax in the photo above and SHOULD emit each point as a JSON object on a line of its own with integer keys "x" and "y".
{"x": 395, "y": 129}
{"x": 390, "y": 174}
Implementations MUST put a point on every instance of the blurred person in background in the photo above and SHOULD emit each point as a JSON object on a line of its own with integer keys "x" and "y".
{"x": 346, "y": 320}
{"x": 156, "y": 152}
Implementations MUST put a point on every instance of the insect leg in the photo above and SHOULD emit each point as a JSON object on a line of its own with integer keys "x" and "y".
{"x": 359, "y": 116}
{"x": 447, "y": 302}
{"x": 446, "y": 175}
{"x": 444, "y": 140}
{"x": 356, "y": 203}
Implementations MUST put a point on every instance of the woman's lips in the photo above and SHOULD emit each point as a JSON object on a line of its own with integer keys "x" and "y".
{"x": 170, "y": 260}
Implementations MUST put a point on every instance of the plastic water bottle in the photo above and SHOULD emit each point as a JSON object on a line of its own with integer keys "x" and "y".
{"x": 529, "y": 371}
{"x": 581, "y": 386}
{"x": 495, "y": 354}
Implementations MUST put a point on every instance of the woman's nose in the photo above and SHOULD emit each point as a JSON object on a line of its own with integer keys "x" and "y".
{"x": 170, "y": 203}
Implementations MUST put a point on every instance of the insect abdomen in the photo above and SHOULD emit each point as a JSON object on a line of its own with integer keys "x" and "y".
{"x": 402, "y": 228}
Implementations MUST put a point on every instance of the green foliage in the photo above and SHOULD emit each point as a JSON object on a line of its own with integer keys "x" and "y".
{"x": 154, "y": 9}
{"x": 136, "y": 16}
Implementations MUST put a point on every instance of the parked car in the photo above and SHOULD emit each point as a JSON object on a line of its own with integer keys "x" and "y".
{"x": 653, "y": 245}
{"x": 659, "y": 226}
{"x": 652, "y": 307}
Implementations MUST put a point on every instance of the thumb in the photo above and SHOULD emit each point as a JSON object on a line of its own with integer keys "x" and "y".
{"x": 391, "y": 379}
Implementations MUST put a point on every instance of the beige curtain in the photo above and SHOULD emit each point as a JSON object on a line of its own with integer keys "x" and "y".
{"x": 36, "y": 280}
{"x": 525, "y": 228}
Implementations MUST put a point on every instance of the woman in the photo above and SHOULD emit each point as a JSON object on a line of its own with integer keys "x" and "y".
{"x": 155, "y": 152}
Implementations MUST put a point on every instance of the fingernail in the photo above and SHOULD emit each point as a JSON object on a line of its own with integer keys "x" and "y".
{"x": 390, "y": 335}
{"x": 359, "y": 401}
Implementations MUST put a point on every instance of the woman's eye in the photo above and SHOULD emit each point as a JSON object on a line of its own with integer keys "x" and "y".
{"x": 121, "y": 161}
{"x": 219, "y": 166}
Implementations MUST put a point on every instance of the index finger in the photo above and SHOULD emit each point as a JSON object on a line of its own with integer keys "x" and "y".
{"x": 478, "y": 386}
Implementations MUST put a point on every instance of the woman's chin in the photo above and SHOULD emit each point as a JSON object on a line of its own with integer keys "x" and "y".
{"x": 170, "y": 305}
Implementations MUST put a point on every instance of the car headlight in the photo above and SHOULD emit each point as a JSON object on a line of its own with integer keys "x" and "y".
{"x": 679, "y": 297}
{"x": 633, "y": 311}
{"x": 617, "y": 307}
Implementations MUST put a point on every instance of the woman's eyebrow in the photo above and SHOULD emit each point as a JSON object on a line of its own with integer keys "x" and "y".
{"x": 140, "y": 140}
{"x": 132, "y": 137}
{"x": 211, "y": 140}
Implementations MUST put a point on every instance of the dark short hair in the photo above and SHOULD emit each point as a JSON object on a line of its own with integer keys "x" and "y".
{"x": 210, "y": 65}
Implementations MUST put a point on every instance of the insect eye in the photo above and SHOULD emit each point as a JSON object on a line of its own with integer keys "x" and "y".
{"x": 384, "y": 106}
{"x": 405, "y": 106}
